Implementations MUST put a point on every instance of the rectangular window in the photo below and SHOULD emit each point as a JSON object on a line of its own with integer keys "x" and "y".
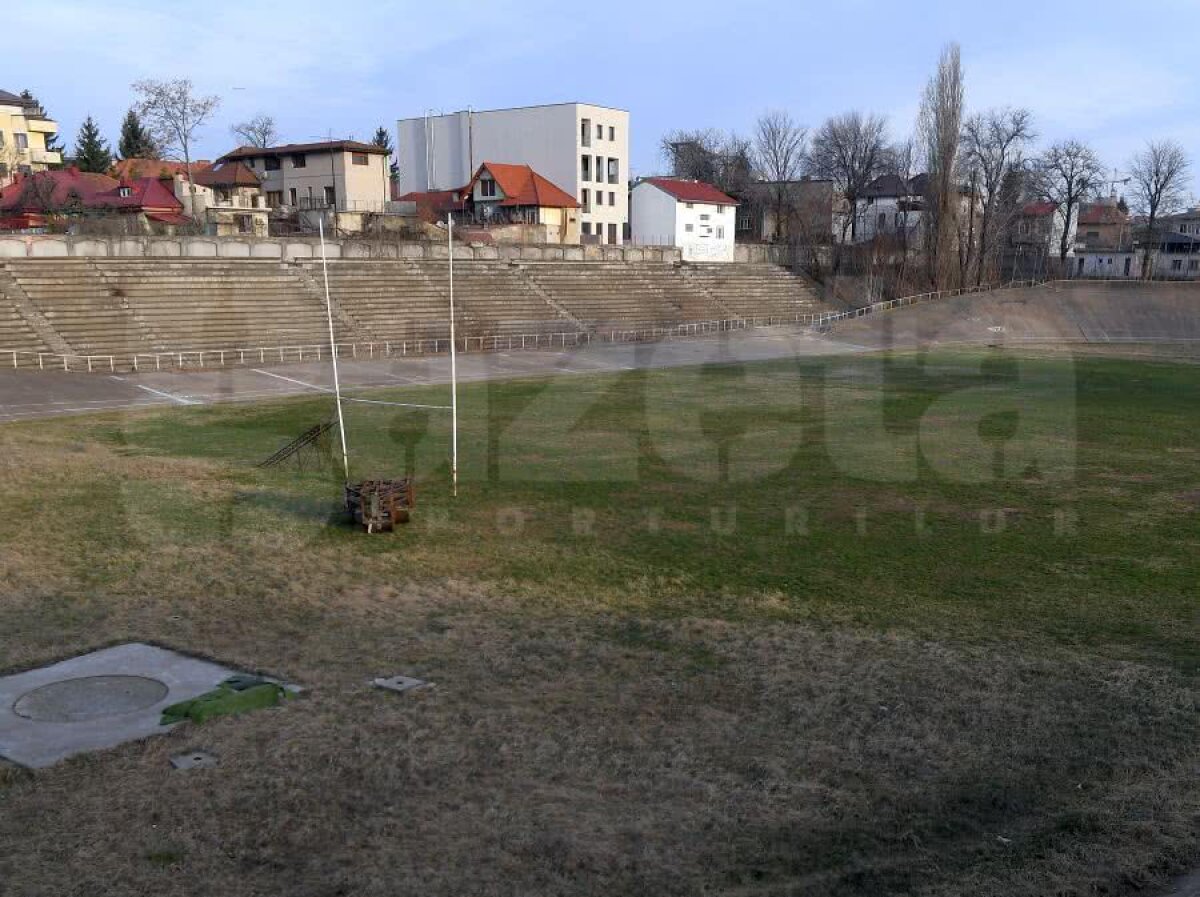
{"x": 487, "y": 187}
{"x": 292, "y": 196}
{"x": 720, "y": 232}
{"x": 330, "y": 196}
{"x": 612, "y": 198}
{"x": 586, "y": 227}
{"x": 688, "y": 205}
{"x": 612, "y": 234}
{"x": 586, "y": 200}
{"x": 688, "y": 228}
{"x": 612, "y": 133}
{"x": 21, "y": 140}
{"x": 704, "y": 216}
{"x": 299, "y": 160}
{"x": 359, "y": 158}
{"x": 585, "y": 167}
{"x": 599, "y": 131}
{"x": 271, "y": 163}
{"x": 274, "y": 199}
{"x": 1177, "y": 264}
{"x": 585, "y": 132}
{"x": 599, "y": 169}
{"x": 245, "y": 224}
{"x": 1194, "y": 265}
{"x": 614, "y": 171}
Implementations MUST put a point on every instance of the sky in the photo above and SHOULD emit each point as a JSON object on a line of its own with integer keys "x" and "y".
{"x": 1099, "y": 71}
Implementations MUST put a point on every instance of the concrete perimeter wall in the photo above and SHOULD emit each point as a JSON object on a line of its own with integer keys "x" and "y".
{"x": 286, "y": 248}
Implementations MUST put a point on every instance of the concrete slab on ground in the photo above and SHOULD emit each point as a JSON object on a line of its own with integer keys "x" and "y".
{"x": 96, "y": 701}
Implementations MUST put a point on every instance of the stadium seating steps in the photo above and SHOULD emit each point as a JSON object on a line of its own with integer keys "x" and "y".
{"x": 123, "y": 306}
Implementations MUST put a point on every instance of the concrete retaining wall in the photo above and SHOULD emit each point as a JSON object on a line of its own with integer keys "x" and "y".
{"x": 286, "y": 248}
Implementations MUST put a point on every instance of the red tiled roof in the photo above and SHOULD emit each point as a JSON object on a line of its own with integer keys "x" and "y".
{"x": 522, "y": 186}
{"x": 692, "y": 191}
{"x": 57, "y": 189}
{"x": 1038, "y": 209}
{"x": 1101, "y": 213}
{"x": 155, "y": 168}
{"x": 346, "y": 146}
{"x": 228, "y": 174}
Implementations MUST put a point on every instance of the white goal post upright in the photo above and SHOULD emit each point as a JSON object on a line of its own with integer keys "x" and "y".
{"x": 453, "y": 362}
{"x": 337, "y": 386}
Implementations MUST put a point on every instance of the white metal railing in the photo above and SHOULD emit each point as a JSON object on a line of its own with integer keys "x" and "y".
{"x": 194, "y": 359}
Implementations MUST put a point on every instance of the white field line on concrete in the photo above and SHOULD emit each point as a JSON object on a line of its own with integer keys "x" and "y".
{"x": 325, "y": 389}
{"x": 166, "y": 395}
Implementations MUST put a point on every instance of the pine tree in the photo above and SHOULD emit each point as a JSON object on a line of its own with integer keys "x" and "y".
{"x": 135, "y": 142}
{"x": 91, "y": 151}
{"x": 383, "y": 139}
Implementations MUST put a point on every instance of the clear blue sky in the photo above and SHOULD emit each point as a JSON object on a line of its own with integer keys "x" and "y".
{"x": 1107, "y": 72}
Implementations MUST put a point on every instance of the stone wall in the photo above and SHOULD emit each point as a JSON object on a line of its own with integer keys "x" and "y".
{"x": 286, "y": 248}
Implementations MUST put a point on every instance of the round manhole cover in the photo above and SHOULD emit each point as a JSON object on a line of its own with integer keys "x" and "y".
{"x": 93, "y": 697}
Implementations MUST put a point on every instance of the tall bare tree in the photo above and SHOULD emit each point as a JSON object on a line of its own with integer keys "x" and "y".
{"x": 1067, "y": 173}
{"x": 779, "y": 144}
{"x": 851, "y": 151}
{"x": 258, "y": 131}
{"x": 175, "y": 114}
{"x": 993, "y": 143}
{"x": 1158, "y": 178}
{"x": 940, "y": 128}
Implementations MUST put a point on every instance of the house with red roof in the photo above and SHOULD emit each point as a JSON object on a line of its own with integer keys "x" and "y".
{"x": 693, "y": 215}
{"x": 507, "y": 202}
{"x": 39, "y": 200}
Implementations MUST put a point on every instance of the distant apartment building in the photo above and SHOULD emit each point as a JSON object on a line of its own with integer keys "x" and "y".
{"x": 342, "y": 180}
{"x": 581, "y": 147}
{"x": 1104, "y": 241}
{"x": 807, "y": 210}
{"x": 24, "y": 128}
{"x": 696, "y": 217}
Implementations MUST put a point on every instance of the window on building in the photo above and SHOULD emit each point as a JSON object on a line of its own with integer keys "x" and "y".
{"x": 245, "y": 224}
{"x": 1023, "y": 228}
{"x": 612, "y": 234}
{"x": 487, "y": 187}
{"x": 330, "y": 196}
{"x": 271, "y": 163}
{"x": 704, "y": 216}
{"x": 688, "y": 228}
{"x": 274, "y": 199}
{"x": 720, "y": 232}
{"x": 743, "y": 221}
{"x": 599, "y": 169}
{"x": 586, "y": 227}
{"x": 585, "y": 198}
{"x": 359, "y": 159}
{"x": 292, "y": 196}
{"x": 21, "y": 141}
{"x": 585, "y": 131}
{"x": 299, "y": 160}
{"x": 1176, "y": 264}
{"x": 687, "y": 205}
{"x": 614, "y": 171}
{"x": 612, "y": 198}
{"x": 881, "y": 224}
{"x": 612, "y": 133}
{"x": 896, "y": 222}
{"x": 585, "y": 167}
{"x": 1194, "y": 265}
{"x": 599, "y": 131}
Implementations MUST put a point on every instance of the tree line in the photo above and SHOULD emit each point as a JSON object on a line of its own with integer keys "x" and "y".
{"x": 983, "y": 160}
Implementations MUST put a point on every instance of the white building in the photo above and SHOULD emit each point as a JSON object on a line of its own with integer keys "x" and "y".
{"x": 581, "y": 147}
{"x": 696, "y": 217}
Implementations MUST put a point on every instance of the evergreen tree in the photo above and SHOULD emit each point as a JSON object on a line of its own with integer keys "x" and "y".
{"x": 135, "y": 142}
{"x": 91, "y": 151}
{"x": 383, "y": 139}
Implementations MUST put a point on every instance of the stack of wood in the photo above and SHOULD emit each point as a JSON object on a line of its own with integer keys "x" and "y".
{"x": 378, "y": 505}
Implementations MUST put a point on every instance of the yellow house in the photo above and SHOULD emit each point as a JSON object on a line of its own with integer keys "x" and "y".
{"x": 23, "y": 131}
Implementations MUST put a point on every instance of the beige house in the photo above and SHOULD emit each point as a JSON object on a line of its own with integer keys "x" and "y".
{"x": 339, "y": 181}
{"x": 23, "y": 131}
{"x": 226, "y": 199}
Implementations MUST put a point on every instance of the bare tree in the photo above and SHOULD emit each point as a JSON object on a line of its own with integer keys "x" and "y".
{"x": 174, "y": 114}
{"x": 851, "y": 151}
{"x": 259, "y": 131}
{"x": 993, "y": 143}
{"x": 1068, "y": 173}
{"x": 940, "y": 127}
{"x": 779, "y": 144}
{"x": 712, "y": 156}
{"x": 1159, "y": 176}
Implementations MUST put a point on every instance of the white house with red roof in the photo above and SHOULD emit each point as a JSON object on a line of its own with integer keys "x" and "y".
{"x": 693, "y": 215}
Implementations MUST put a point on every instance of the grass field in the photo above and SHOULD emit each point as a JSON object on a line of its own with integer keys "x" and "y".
{"x": 887, "y": 624}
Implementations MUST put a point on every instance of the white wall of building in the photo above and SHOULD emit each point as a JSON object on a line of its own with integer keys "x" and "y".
{"x": 703, "y": 231}
{"x": 442, "y": 152}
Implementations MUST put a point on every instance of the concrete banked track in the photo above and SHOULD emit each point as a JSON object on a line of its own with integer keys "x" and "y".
{"x": 1056, "y": 312}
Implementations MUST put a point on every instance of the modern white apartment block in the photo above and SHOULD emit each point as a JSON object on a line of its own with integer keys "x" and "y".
{"x": 580, "y": 147}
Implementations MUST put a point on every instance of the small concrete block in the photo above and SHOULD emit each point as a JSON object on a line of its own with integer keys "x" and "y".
{"x": 195, "y": 760}
{"x": 400, "y": 683}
